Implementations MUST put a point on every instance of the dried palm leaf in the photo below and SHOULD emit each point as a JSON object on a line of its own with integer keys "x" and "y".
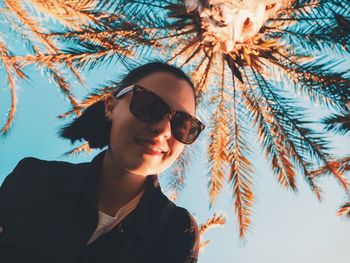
{"x": 12, "y": 70}
{"x": 79, "y": 149}
{"x": 72, "y": 13}
{"x": 344, "y": 210}
{"x": 215, "y": 221}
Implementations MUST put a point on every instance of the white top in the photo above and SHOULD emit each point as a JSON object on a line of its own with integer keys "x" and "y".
{"x": 107, "y": 223}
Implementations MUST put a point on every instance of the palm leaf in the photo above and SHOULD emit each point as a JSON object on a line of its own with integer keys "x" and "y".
{"x": 78, "y": 150}
{"x": 12, "y": 70}
{"x": 344, "y": 210}
{"x": 176, "y": 178}
{"x": 338, "y": 123}
{"x": 215, "y": 221}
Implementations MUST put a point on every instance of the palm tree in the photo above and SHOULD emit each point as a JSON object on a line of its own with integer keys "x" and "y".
{"x": 252, "y": 63}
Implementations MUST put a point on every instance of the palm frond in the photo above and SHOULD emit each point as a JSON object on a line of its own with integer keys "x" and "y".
{"x": 341, "y": 165}
{"x": 271, "y": 137}
{"x": 344, "y": 210}
{"x": 308, "y": 141}
{"x": 177, "y": 176}
{"x": 218, "y": 143}
{"x": 338, "y": 123}
{"x": 94, "y": 97}
{"x": 315, "y": 80}
{"x": 12, "y": 110}
{"x": 78, "y": 150}
{"x": 35, "y": 28}
{"x": 72, "y": 13}
{"x": 321, "y": 25}
{"x": 241, "y": 169}
{"x": 12, "y": 69}
{"x": 28, "y": 21}
{"x": 215, "y": 221}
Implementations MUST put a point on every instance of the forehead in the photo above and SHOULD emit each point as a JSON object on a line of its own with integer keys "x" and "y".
{"x": 177, "y": 93}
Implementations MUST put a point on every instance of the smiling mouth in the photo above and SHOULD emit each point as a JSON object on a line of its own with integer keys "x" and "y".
{"x": 149, "y": 148}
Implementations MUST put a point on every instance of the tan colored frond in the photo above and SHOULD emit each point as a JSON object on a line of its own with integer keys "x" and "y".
{"x": 71, "y": 14}
{"x": 77, "y": 150}
{"x": 201, "y": 86}
{"x": 203, "y": 244}
{"x": 50, "y": 60}
{"x": 243, "y": 196}
{"x": 31, "y": 23}
{"x": 102, "y": 94}
{"x": 339, "y": 175}
{"x": 241, "y": 171}
{"x": 12, "y": 110}
{"x": 73, "y": 111}
{"x": 280, "y": 160}
{"x": 92, "y": 98}
{"x": 215, "y": 221}
{"x": 64, "y": 87}
{"x": 218, "y": 142}
{"x": 338, "y": 168}
{"x": 188, "y": 50}
{"x": 344, "y": 210}
{"x": 10, "y": 69}
{"x": 269, "y": 130}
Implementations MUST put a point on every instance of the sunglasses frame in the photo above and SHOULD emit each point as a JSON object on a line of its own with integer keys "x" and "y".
{"x": 171, "y": 111}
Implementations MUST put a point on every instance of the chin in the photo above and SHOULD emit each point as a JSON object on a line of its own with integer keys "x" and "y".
{"x": 143, "y": 172}
{"x": 142, "y": 168}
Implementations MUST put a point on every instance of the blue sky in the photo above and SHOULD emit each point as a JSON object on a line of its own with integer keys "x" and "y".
{"x": 286, "y": 227}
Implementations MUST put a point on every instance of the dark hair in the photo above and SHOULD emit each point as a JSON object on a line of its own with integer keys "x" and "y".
{"x": 92, "y": 125}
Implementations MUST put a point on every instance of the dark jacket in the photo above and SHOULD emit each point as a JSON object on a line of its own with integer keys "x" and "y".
{"x": 48, "y": 212}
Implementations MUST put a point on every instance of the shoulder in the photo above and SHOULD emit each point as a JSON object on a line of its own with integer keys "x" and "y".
{"x": 184, "y": 219}
{"x": 29, "y": 163}
{"x": 33, "y": 169}
{"x": 180, "y": 237}
{"x": 33, "y": 181}
{"x": 33, "y": 174}
{"x": 177, "y": 217}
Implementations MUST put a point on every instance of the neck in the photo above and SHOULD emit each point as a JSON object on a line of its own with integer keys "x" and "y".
{"x": 117, "y": 186}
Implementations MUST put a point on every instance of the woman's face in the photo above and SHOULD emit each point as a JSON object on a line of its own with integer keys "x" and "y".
{"x": 134, "y": 143}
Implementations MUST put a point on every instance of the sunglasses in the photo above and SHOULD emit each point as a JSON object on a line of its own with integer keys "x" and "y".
{"x": 148, "y": 107}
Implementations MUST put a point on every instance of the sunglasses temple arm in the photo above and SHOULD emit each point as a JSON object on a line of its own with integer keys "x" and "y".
{"x": 124, "y": 91}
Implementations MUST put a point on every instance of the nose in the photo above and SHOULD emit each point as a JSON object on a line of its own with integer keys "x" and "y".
{"x": 162, "y": 128}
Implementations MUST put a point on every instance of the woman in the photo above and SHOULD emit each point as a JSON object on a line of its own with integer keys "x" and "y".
{"x": 112, "y": 209}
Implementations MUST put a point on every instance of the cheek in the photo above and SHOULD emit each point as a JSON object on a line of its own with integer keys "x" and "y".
{"x": 176, "y": 150}
{"x": 121, "y": 131}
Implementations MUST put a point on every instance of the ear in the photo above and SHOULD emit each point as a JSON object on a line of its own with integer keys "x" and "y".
{"x": 110, "y": 103}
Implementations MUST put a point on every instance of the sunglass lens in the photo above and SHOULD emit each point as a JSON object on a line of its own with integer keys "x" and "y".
{"x": 147, "y": 106}
{"x": 184, "y": 128}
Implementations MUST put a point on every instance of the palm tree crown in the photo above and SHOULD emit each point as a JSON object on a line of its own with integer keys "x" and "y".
{"x": 252, "y": 63}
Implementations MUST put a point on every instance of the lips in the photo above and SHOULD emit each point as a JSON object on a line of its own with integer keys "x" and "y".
{"x": 151, "y": 147}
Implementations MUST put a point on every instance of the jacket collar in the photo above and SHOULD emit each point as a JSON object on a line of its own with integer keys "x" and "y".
{"x": 144, "y": 219}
